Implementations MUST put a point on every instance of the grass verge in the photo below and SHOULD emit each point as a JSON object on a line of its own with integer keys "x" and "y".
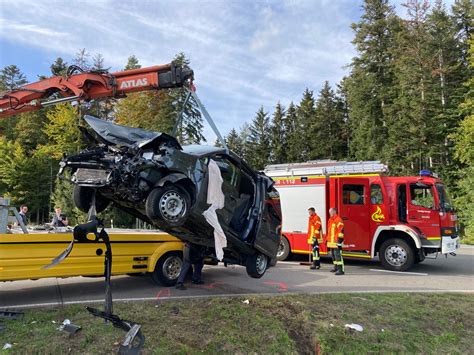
{"x": 393, "y": 323}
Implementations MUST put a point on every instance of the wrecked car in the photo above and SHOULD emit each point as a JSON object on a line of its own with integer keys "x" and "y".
{"x": 152, "y": 177}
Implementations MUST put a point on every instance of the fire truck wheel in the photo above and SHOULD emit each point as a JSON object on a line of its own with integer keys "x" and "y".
{"x": 396, "y": 254}
{"x": 283, "y": 249}
{"x": 82, "y": 197}
{"x": 256, "y": 265}
{"x": 167, "y": 269}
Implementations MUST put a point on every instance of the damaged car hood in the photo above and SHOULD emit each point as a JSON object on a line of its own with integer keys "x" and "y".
{"x": 127, "y": 136}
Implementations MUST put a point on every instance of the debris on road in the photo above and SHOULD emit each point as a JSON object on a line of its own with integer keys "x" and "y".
{"x": 15, "y": 315}
{"x": 354, "y": 326}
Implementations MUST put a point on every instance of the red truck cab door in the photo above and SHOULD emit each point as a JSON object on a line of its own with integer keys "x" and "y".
{"x": 354, "y": 209}
{"x": 422, "y": 210}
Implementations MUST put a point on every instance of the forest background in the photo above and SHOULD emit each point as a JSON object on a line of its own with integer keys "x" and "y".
{"x": 407, "y": 101}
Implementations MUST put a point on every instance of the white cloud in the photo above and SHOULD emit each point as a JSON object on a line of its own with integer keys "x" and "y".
{"x": 244, "y": 53}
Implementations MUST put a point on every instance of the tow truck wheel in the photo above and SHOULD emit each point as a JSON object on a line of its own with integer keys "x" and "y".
{"x": 167, "y": 269}
{"x": 283, "y": 249}
{"x": 256, "y": 265}
{"x": 396, "y": 254}
{"x": 168, "y": 205}
{"x": 82, "y": 197}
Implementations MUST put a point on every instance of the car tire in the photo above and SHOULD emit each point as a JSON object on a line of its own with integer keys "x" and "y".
{"x": 82, "y": 197}
{"x": 168, "y": 206}
{"x": 283, "y": 249}
{"x": 167, "y": 269}
{"x": 256, "y": 265}
{"x": 396, "y": 255}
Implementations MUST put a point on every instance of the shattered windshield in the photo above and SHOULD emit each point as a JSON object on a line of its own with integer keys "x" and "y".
{"x": 444, "y": 201}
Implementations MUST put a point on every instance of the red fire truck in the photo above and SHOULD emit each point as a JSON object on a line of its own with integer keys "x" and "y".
{"x": 401, "y": 220}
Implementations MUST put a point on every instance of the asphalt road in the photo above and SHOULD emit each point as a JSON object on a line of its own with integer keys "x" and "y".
{"x": 451, "y": 274}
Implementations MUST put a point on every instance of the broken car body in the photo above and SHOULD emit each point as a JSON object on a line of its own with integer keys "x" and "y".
{"x": 149, "y": 175}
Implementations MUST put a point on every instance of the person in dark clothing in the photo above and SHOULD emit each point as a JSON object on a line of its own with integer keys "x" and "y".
{"x": 193, "y": 256}
{"x": 59, "y": 219}
{"x": 22, "y": 213}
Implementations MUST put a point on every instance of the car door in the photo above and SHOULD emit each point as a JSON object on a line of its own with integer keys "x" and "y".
{"x": 268, "y": 234}
{"x": 230, "y": 173}
{"x": 354, "y": 210}
{"x": 422, "y": 212}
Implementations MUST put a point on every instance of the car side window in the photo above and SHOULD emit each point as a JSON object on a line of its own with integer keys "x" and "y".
{"x": 230, "y": 172}
{"x": 376, "y": 196}
{"x": 353, "y": 194}
{"x": 421, "y": 195}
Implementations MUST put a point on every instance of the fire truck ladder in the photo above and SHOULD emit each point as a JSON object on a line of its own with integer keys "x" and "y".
{"x": 326, "y": 168}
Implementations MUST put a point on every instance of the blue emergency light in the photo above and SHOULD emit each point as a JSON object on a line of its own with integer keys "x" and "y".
{"x": 427, "y": 173}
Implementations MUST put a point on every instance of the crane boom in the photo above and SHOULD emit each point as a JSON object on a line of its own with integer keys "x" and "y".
{"x": 92, "y": 85}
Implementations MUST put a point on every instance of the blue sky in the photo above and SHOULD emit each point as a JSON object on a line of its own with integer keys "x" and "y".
{"x": 244, "y": 53}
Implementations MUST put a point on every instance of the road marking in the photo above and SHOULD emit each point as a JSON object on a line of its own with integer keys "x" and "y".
{"x": 166, "y": 292}
{"x": 282, "y": 286}
{"x": 401, "y": 272}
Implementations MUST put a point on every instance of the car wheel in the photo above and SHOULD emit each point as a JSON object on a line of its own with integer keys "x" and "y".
{"x": 167, "y": 269}
{"x": 396, "y": 254}
{"x": 256, "y": 265}
{"x": 82, "y": 197}
{"x": 283, "y": 249}
{"x": 168, "y": 205}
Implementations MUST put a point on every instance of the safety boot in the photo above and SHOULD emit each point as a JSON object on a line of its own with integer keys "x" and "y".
{"x": 334, "y": 269}
{"x": 315, "y": 265}
{"x": 339, "y": 270}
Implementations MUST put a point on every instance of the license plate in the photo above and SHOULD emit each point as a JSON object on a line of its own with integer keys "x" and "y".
{"x": 91, "y": 176}
{"x": 449, "y": 245}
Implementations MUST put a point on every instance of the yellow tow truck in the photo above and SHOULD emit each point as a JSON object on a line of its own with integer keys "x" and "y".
{"x": 23, "y": 256}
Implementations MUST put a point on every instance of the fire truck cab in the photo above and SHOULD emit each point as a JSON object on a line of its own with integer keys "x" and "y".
{"x": 400, "y": 220}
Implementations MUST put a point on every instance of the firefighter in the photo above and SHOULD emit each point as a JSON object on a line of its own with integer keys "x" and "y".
{"x": 335, "y": 239}
{"x": 315, "y": 236}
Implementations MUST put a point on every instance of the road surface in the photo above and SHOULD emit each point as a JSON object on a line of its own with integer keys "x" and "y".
{"x": 440, "y": 275}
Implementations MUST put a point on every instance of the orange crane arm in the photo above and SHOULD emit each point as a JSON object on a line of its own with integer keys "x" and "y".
{"x": 92, "y": 85}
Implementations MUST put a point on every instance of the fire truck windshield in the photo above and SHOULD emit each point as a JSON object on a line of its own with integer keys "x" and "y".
{"x": 444, "y": 200}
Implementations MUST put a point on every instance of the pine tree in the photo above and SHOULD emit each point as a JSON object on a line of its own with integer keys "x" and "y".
{"x": 191, "y": 125}
{"x": 463, "y": 13}
{"x": 291, "y": 129}
{"x": 343, "y": 105}
{"x": 371, "y": 81}
{"x": 464, "y": 152}
{"x": 327, "y": 128}
{"x": 234, "y": 142}
{"x": 244, "y": 137}
{"x": 59, "y": 67}
{"x": 278, "y": 136}
{"x": 259, "y": 140}
{"x": 82, "y": 59}
{"x": 12, "y": 78}
{"x": 98, "y": 62}
{"x": 447, "y": 72}
{"x": 300, "y": 139}
{"x": 132, "y": 63}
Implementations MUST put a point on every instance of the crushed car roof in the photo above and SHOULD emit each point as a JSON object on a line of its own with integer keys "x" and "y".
{"x": 127, "y": 136}
{"x": 202, "y": 150}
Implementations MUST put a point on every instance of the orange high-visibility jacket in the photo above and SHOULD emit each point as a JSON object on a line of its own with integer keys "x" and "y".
{"x": 335, "y": 231}
{"x": 314, "y": 229}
